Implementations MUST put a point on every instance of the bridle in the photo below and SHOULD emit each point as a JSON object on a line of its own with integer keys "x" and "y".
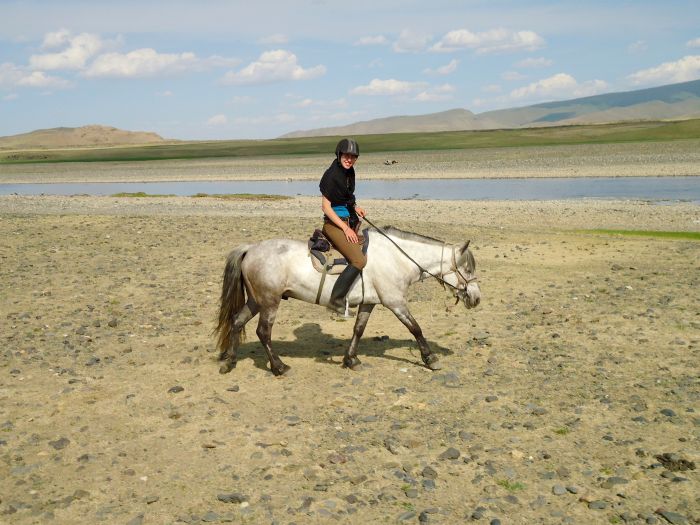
{"x": 460, "y": 293}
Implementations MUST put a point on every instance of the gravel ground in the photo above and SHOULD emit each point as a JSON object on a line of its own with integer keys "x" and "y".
{"x": 570, "y": 395}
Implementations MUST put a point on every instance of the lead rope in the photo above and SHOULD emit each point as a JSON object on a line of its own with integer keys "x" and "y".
{"x": 423, "y": 270}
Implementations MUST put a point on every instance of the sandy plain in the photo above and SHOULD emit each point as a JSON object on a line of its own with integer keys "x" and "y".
{"x": 570, "y": 395}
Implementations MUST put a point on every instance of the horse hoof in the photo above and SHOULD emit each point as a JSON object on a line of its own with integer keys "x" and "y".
{"x": 227, "y": 367}
{"x": 431, "y": 362}
{"x": 352, "y": 363}
{"x": 280, "y": 370}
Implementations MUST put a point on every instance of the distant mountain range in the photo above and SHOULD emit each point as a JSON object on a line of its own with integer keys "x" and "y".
{"x": 78, "y": 137}
{"x": 670, "y": 102}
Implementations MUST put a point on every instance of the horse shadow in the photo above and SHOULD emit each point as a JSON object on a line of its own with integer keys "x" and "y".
{"x": 324, "y": 348}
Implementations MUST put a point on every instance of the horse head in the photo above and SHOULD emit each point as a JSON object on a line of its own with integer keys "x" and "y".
{"x": 466, "y": 287}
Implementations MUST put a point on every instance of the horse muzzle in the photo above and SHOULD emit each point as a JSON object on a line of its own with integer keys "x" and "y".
{"x": 471, "y": 296}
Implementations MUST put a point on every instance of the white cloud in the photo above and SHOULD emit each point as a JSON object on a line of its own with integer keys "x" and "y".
{"x": 166, "y": 93}
{"x": 274, "y": 40}
{"x": 687, "y": 68}
{"x": 560, "y": 85}
{"x": 378, "y": 40}
{"x": 512, "y": 76}
{"x": 80, "y": 49}
{"x": 11, "y": 96}
{"x": 695, "y": 42}
{"x": 306, "y": 102}
{"x": 491, "y": 88}
{"x": 215, "y": 61}
{"x": 14, "y": 76}
{"x": 434, "y": 94}
{"x": 388, "y": 87}
{"x": 410, "y": 41}
{"x": 443, "y": 70}
{"x": 377, "y": 62}
{"x": 637, "y": 47}
{"x": 139, "y": 63}
{"x": 279, "y": 118}
{"x": 493, "y": 41}
{"x": 39, "y": 79}
{"x": 217, "y": 120}
{"x": 56, "y": 39}
{"x": 534, "y": 62}
{"x": 238, "y": 99}
{"x": 273, "y": 66}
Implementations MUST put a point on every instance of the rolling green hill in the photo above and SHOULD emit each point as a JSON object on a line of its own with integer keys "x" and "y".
{"x": 542, "y": 136}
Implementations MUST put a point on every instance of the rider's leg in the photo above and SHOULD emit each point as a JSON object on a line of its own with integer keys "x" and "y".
{"x": 342, "y": 287}
{"x": 356, "y": 262}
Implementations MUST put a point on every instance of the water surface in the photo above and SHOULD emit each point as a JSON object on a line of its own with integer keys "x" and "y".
{"x": 645, "y": 188}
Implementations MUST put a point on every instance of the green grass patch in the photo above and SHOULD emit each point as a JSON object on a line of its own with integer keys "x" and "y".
{"x": 242, "y": 196}
{"x": 139, "y": 194}
{"x": 693, "y": 236}
{"x": 511, "y": 486}
{"x": 562, "y": 431}
{"x": 380, "y": 143}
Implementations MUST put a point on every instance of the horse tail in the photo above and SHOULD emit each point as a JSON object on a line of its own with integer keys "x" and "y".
{"x": 232, "y": 301}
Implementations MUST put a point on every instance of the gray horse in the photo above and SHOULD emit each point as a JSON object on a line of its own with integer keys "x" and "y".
{"x": 258, "y": 276}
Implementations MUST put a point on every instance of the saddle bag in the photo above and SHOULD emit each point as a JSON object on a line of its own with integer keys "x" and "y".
{"x": 318, "y": 242}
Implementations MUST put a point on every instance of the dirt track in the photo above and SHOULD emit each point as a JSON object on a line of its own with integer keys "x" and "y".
{"x": 559, "y": 395}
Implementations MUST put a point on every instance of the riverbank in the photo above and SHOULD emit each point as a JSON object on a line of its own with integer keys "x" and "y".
{"x": 568, "y": 396}
{"x": 516, "y": 215}
{"x": 666, "y": 159}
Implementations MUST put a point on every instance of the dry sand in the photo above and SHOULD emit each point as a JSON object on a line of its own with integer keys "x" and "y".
{"x": 559, "y": 397}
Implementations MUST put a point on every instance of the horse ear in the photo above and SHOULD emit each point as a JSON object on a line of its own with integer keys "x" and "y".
{"x": 464, "y": 247}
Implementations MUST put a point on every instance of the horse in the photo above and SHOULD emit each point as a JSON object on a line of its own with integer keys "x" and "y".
{"x": 257, "y": 277}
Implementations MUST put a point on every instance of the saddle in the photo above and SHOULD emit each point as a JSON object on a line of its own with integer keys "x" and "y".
{"x": 326, "y": 259}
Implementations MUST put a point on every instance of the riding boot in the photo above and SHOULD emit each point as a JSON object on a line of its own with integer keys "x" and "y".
{"x": 342, "y": 287}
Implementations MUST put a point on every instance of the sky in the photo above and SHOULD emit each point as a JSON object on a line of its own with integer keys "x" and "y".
{"x": 257, "y": 69}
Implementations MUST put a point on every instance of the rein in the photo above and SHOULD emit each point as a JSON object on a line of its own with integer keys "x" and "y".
{"x": 423, "y": 270}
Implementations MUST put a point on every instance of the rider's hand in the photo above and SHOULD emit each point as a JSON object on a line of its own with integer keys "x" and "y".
{"x": 359, "y": 211}
{"x": 351, "y": 236}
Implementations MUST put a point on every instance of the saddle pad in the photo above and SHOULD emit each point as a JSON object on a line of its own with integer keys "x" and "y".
{"x": 332, "y": 258}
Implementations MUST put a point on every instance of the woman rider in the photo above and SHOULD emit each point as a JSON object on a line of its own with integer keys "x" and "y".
{"x": 341, "y": 217}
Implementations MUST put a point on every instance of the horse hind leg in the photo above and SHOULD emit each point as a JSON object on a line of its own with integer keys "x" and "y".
{"x": 229, "y": 355}
{"x": 350, "y": 359}
{"x": 264, "y": 331}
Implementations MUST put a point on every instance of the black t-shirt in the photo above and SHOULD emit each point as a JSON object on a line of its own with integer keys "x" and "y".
{"x": 338, "y": 186}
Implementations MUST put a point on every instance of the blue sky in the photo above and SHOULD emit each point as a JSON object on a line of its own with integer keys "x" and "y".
{"x": 259, "y": 69}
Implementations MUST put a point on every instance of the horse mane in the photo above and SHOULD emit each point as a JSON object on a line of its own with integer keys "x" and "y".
{"x": 410, "y": 236}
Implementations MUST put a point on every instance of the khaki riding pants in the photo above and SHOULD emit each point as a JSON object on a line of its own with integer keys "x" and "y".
{"x": 352, "y": 252}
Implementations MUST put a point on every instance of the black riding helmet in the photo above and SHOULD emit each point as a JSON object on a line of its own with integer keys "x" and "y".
{"x": 347, "y": 146}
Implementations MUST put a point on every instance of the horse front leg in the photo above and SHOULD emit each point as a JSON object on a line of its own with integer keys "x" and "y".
{"x": 403, "y": 314}
{"x": 264, "y": 331}
{"x": 350, "y": 359}
{"x": 230, "y": 355}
